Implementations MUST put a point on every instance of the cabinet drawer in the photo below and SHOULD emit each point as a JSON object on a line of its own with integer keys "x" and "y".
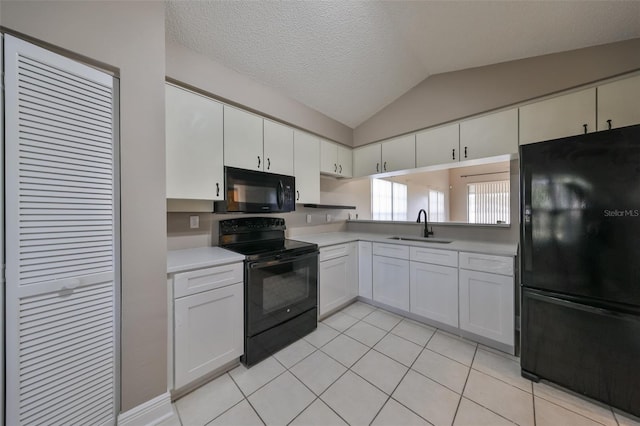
{"x": 200, "y": 280}
{"x": 391, "y": 250}
{"x": 332, "y": 252}
{"x": 435, "y": 256}
{"x": 487, "y": 263}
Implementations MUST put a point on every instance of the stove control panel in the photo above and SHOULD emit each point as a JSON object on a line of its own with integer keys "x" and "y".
{"x": 251, "y": 224}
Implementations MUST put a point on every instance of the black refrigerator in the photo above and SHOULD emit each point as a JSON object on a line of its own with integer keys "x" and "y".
{"x": 580, "y": 264}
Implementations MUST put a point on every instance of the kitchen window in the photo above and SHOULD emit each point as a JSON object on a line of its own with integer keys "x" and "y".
{"x": 488, "y": 202}
{"x": 436, "y": 206}
{"x": 388, "y": 200}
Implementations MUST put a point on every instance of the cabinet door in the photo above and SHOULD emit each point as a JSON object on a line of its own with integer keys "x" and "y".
{"x": 306, "y": 167}
{"x": 345, "y": 161}
{"x": 434, "y": 292}
{"x": 487, "y": 305}
{"x": 490, "y": 135}
{"x": 208, "y": 332}
{"x": 399, "y": 154}
{"x": 278, "y": 148}
{"x": 391, "y": 282}
{"x": 558, "y": 117}
{"x": 619, "y": 102}
{"x": 333, "y": 284}
{"x": 365, "y": 269}
{"x": 438, "y": 146}
{"x": 194, "y": 146}
{"x": 367, "y": 160}
{"x": 328, "y": 157}
{"x": 242, "y": 139}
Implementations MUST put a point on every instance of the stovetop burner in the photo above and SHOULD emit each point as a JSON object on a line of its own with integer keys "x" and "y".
{"x": 259, "y": 238}
{"x": 262, "y": 249}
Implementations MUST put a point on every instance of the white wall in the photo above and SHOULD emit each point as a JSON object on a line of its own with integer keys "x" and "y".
{"x": 128, "y": 36}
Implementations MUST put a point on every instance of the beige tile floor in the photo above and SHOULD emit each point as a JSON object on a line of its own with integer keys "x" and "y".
{"x": 366, "y": 366}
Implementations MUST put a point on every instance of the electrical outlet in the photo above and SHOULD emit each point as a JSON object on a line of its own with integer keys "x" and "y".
{"x": 308, "y": 218}
{"x": 194, "y": 222}
{"x": 328, "y": 218}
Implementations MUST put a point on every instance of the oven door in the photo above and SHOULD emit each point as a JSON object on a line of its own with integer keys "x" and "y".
{"x": 279, "y": 289}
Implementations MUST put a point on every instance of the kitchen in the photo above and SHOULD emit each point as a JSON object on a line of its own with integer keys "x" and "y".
{"x": 143, "y": 59}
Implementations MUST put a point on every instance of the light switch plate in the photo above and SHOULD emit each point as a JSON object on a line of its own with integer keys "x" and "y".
{"x": 308, "y": 218}
{"x": 194, "y": 222}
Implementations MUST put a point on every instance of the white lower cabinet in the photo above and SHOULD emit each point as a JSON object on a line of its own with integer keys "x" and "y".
{"x": 434, "y": 292}
{"x": 207, "y": 329}
{"x": 365, "y": 269}
{"x": 391, "y": 281}
{"x": 487, "y": 304}
{"x": 208, "y": 332}
{"x": 338, "y": 277}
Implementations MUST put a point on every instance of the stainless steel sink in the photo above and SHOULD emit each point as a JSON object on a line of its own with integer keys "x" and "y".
{"x": 422, "y": 240}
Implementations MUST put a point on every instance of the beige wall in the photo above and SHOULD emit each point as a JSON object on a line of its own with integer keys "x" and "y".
{"x": 202, "y": 73}
{"x": 128, "y": 36}
{"x": 418, "y": 186}
{"x": 332, "y": 191}
{"x": 452, "y": 96}
{"x": 458, "y": 183}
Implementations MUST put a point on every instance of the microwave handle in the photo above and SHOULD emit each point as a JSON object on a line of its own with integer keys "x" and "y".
{"x": 280, "y": 194}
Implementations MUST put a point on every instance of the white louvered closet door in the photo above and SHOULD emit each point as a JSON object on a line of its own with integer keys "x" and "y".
{"x": 60, "y": 234}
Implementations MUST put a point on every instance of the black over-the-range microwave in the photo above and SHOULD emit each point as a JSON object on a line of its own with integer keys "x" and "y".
{"x": 248, "y": 191}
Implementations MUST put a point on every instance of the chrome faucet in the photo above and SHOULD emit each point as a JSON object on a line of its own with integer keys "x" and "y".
{"x": 426, "y": 224}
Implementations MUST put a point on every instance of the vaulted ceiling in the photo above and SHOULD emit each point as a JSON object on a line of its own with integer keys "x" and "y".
{"x": 349, "y": 59}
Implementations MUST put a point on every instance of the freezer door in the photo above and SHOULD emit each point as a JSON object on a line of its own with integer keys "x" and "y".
{"x": 592, "y": 351}
{"x": 580, "y": 215}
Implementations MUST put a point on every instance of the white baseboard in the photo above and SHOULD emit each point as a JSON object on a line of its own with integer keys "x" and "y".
{"x": 149, "y": 413}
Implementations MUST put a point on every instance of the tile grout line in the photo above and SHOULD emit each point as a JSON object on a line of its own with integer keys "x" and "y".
{"x": 387, "y": 332}
{"x": 246, "y": 397}
{"x": 316, "y": 397}
{"x": 400, "y": 381}
{"x": 573, "y": 411}
{"x": 465, "y": 385}
{"x": 328, "y": 355}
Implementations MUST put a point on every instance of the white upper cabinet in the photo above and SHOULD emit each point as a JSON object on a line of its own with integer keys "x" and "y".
{"x": 619, "y": 102}
{"x": 243, "y": 139}
{"x": 335, "y": 160}
{"x": 278, "y": 148}
{"x": 306, "y": 167}
{"x": 489, "y": 135}
{"x": 367, "y": 160}
{"x": 399, "y": 153}
{"x": 194, "y": 143}
{"x": 328, "y": 157}
{"x": 438, "y": 146}
{"x": 558, "y": 117}
{"x": 345, "y": 161}
{"x": 388, "y": 156}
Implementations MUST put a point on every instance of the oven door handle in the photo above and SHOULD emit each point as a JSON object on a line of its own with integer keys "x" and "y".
{"x": 282, "y": 260}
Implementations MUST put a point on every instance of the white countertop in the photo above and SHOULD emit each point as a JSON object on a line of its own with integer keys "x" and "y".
{"x": 331, "y": 238}
{"x": 201, "y": 257}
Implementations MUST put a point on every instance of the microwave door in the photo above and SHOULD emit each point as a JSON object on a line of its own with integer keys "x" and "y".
{"x": 280, "y": 195}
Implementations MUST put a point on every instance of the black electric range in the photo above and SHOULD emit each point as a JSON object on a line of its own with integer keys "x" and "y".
{"x": 280, "y": 284}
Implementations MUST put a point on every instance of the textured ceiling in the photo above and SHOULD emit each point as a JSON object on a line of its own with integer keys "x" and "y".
{"x": 349, "y": 59}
